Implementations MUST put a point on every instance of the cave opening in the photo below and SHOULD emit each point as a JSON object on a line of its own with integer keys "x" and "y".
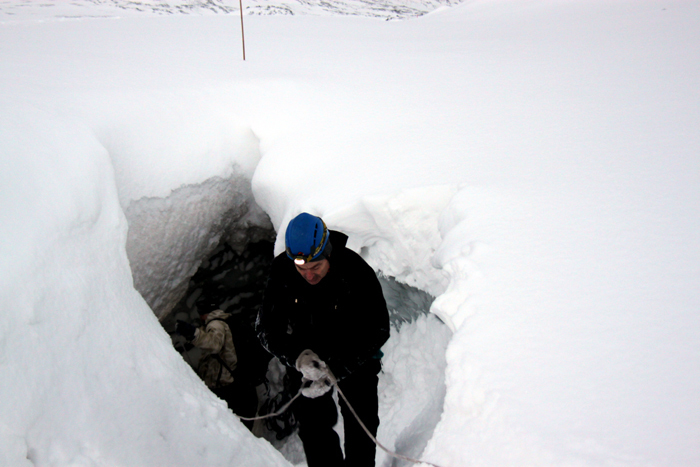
{"x": 233, "y": 280}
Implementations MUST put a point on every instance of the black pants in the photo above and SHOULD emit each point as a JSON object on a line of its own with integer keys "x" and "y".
{"x": 242, "y": 399}
{"x": 317, "y": 417}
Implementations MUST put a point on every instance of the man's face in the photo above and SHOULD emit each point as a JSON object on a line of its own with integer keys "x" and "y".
{"x": 314, "y": 272}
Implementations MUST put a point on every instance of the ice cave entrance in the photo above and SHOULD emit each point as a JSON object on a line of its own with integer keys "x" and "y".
{"x": 411, "y": 386}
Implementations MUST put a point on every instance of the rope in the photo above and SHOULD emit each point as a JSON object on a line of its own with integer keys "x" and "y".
{"x": 357, "y": 417}
{"x": 391, "y": 453}
{"x": 275, "y": 414}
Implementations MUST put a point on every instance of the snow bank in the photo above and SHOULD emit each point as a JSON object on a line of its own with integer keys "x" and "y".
{"x": 86, "y": 356}
{"x": 411, "y": 387}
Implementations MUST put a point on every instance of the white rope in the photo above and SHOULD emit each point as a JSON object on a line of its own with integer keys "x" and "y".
{"x": 391, "y": 453}
{"x": 275, "y": 414}
{"x": 357, "y": 417}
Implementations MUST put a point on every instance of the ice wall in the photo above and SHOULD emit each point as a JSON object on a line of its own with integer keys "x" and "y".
{"x": 170, "y": 237}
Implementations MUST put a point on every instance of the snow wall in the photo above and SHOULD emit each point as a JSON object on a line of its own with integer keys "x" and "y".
{"x": 119, "y": 216}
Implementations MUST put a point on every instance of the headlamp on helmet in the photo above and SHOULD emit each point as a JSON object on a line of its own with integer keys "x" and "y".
{"x": 306, "y": 239}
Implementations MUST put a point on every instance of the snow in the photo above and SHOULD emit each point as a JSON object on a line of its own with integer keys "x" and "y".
{"x": 531, "y": 165}
{"x": 78, "y": 9}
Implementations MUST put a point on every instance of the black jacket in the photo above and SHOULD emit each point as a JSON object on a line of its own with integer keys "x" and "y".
{"x": 343, "y": 318}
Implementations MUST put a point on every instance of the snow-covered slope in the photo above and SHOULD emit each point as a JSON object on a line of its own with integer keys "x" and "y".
{"x": 384, "y": 9}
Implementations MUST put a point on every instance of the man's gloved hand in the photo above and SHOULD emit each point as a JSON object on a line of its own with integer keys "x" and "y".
{"x": 312, "y": 367}
{"x": 316, "y": 388}
{"x": 186, "y": 330}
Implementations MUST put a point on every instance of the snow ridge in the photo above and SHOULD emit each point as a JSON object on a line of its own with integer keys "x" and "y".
{"x": 383, "y": 9}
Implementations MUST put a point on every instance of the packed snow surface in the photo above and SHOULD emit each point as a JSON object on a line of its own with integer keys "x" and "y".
{"x": 533, "y": 166}
{"x": 382, "y": 9}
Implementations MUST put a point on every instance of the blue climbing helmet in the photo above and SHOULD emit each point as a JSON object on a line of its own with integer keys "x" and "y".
{"x": 306, "y": 239}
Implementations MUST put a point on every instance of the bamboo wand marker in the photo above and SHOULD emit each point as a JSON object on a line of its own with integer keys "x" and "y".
{"x": 240, "y": 3}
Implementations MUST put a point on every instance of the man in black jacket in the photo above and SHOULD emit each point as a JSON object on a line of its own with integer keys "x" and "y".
{"x": 324, "y": 316}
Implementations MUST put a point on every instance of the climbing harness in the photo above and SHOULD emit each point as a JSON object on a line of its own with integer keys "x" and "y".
{"x": 340, "y": 392}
